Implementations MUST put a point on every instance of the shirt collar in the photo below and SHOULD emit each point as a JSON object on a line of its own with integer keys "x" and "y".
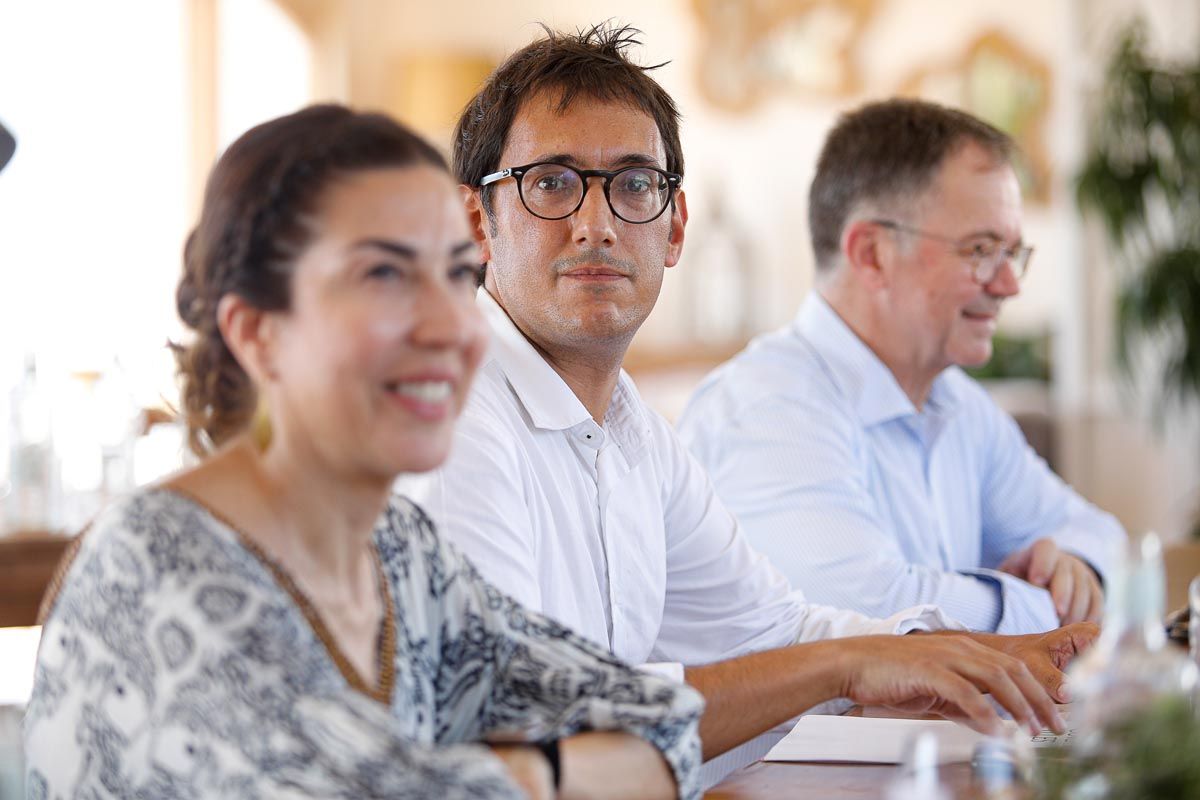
{"x": 547, "y": 398}
{"x": 862, "y": 377}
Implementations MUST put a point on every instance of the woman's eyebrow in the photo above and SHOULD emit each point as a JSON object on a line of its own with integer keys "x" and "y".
{"x": 393, "y": 247}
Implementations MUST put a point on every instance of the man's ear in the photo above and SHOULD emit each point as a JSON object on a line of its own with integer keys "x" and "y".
{"x": 679, "y": 218}
{"x": 250, "y": 334}
{"x": 865, "y": 251}
{"x": 477, "y": 218}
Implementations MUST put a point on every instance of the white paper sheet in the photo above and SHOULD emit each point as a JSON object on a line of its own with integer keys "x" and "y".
{"x": 878, "y": 740}
{"x": 867, "y": 740}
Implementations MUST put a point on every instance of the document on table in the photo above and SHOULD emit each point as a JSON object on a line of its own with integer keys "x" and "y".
{"x": 875, "y": 740}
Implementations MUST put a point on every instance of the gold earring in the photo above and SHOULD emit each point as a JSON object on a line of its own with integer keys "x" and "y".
{"x": 260, "y": 426}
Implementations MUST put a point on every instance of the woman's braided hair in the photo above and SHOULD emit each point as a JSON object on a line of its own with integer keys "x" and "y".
{"x": 256, "y": 221}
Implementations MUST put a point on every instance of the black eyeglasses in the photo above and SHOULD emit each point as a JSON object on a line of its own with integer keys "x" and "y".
{"x": 550, "y": 190}
{"x": 986, "y": 253}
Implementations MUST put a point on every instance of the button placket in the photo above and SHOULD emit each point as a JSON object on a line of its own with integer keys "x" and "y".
{"x": 611, "y": 469}
{"x": 589, "y": 434}
{"x": 587, "y": 439}
{"x": 932, "y": 425}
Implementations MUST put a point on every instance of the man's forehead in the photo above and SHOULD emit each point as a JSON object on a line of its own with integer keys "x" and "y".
{"x": 968, "y": 166}
{"x": 587, "y": 129}
{"x": 979, "y": 191}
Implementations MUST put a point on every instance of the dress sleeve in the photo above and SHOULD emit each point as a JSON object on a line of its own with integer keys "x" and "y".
{"x": 161, "y": 673}
{"x": 509, "y": 674}
{"x": 358, "y": 752}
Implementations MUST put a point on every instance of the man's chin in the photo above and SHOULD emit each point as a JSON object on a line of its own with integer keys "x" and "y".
{"x": 975, "y": 358}
{"x": 602, "y": 328}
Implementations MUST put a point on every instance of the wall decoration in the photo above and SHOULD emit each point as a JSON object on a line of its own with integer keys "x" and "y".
{"x": 428, "y": 90}
{"x": 754, "y": 48}
{"x": 999, "y": 81}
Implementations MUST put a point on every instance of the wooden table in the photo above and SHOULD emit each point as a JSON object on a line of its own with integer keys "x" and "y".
{"x": 27, "y": 563}
{"x": 833, "y": 781}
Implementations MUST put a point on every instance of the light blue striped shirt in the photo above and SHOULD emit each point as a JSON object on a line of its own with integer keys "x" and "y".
{"x": 865, "y": 503}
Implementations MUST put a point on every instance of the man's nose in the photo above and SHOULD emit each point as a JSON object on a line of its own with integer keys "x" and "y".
{"x": 594, "y": 223}
{"x": 1004, "y": 283}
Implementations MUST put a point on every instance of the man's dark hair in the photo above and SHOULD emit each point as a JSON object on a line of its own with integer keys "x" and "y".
{"x": 590, "y": 63}
{"x": 887, "y": 152}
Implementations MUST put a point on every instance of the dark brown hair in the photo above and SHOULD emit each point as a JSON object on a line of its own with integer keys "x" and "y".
{"x": 253, "y": 226}
{"x": 591, "y": 63}
{"x": 887, "y": 152}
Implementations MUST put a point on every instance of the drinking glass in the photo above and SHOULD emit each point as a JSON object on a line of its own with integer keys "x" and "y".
{"x": 11, "y": 763}
{"x": 1194, "y": 620}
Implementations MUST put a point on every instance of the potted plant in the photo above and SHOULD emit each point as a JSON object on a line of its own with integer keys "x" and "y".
{"x": 1141, "y": 178}
{"x": 1147, "y": 756}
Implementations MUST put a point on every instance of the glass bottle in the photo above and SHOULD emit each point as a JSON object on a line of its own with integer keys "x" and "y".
{"x": 722, "y": 302}
{"x": 1194, "y": 619}
{"x": 117, "y": 417}
{"x": 32, "y": 474}
{"x": 1000, "y": 768}
{"x": 917, "y": 777}
{"x": 1131, "y": 664}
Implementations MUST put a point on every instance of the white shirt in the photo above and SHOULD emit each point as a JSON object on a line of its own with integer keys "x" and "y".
{"x": 613, "y": 530}
{"x": 871, "y": 505}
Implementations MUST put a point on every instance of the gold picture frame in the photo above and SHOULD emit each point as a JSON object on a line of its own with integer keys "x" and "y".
{"x": 753, "y": 49}
{"x": 1001, "y": 82}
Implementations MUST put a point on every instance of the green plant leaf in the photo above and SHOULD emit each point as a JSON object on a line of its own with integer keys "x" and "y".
{"x": 1141, "y": 179}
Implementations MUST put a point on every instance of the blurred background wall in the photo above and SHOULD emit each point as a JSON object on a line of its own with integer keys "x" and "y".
{"x": 120, "y": 108}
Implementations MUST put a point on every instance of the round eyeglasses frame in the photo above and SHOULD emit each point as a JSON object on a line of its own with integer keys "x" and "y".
{"x": 673, "y": 182}
{"x": 984, "y": 268}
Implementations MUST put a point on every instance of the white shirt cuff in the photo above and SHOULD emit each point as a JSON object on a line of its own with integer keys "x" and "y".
{"x": 1024, "y": 608}
{"x": 921, "y": 618}
{"x": 671, "y": 670}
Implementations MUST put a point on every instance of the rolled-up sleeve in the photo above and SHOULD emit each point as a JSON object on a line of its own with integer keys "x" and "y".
{"x": 725, "y": 596}
{"x": 800, "y": 489}
{"x": 1023, "y": 501}
{"x": 797, "y": 470}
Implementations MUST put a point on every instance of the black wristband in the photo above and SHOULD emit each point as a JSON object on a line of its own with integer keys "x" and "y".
{"x": 549, "y": 749}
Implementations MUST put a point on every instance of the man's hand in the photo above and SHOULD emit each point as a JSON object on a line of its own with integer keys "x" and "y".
{"x": 947, "y": 675}
{"x": 528, "y": 768}
{"x": 1072, "y": 584}
{"x": 1046, "y": 654}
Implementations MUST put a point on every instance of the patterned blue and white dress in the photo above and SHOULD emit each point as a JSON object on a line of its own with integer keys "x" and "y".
{"x": 179, "y": 661}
